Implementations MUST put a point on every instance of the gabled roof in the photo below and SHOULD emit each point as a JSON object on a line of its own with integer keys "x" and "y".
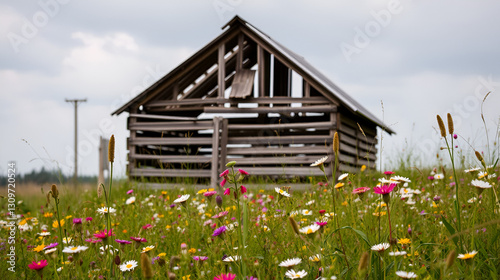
{"x": 301, "y": 66}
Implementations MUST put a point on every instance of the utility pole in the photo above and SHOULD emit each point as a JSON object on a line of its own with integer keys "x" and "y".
{"x": 75, "y": 102}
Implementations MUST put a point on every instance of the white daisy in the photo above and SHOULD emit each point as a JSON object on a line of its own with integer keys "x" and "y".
{"x": 397, "y": 253}
{"x": 292, "y": 274}
{"x": 107, "y": 247}
{"x": 385, "y": 181}
{"x": 400, "y": 179}
{"x": 480, "y": 184}
{"x": 482, "y": 174}
{"x": 474, "y": 169}
{"x": 310, "y": 229}
{"x": 148, "y": 248}
{"x": 315, "y": 258}
{"x": 128, "y": 265}
{"x": 381, "y": 247}
{"x": 290, "y": 262}
{"x": 74, "y": 250}
{"x": 104, "y": 210}
{"x": 319, "y": 161}
{"x": 67, "y": 240}
{"x": 51, "y": 250}
{"x": 306, "y": 212}
{"x": 406, "y": 275}
{"x": 310, "y": 202}
{"x": 45, "y": 233}
{"x": 439, "y": 176}
{"x": 282, "y": 192}
{"x": 467, "y": 256}
{"x": 182, "y": 198}
{"x": 343, "y": 176}
{"x": 231, "y": 259}
{"x": 130, "y": 200}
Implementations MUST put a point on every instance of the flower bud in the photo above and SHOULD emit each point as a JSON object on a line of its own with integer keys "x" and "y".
{"x": 218, "y": 200}
{"x": 54, "y": 191}
{"x": 111, "y": 149}
{"x": 231, "y": 164}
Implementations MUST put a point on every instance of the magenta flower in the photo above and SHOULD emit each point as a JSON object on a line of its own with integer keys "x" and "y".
{"x": 130, "y": 191}
{"x": 388, "y": 172}
{"x": 77, "y": 221}
{"x": 242, "y": 172}
{"x": 227, "y": 191}
{"x": 455, "y": 136}
{"x": 209, "y": 193}
{"x": 219, "y": 231}
{"x": 88, "y": 219}
{"x": 430, "y": 177}
{"x": 148, "y": 226}
{"x": 200, "y": 258}
{"x": 321, "y": 224}
{"x": 90, "y": 240}
{"x": 52, "y": 245}
{"x": 223, "y": 276}
{"x": 41, "y": 264}
{"x": 138, "y": 239}
{"x": 243, "y": 189}
{"x": 224, "y": 173}
{"x": 223, "y": 182}
{"x": 123, "y": 241}
{"x": 360, "y": 190}
{"x": 384, "y": 189}
{"x": 103, "y": 234}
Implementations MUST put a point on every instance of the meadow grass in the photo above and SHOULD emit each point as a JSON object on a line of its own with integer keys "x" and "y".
{"x": 436, "y": 223}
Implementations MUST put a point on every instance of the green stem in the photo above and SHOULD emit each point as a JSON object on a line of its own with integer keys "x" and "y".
{"x": 457, "y": 201}
{"x": 60, "y": 229}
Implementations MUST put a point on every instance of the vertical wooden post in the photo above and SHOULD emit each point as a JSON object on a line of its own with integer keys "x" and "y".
{"x": 306, "y": 89}
{"x": 215, "y": 152}
{"x": 221, "y": 76}
{"x": 223, "y": 145}
{"x": 132, "y": 147}
{"x": 264, "y": 65}
{"x": 239, "y": 56}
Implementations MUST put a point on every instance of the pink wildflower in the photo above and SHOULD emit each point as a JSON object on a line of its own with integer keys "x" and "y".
{"x": 223, "y": 276}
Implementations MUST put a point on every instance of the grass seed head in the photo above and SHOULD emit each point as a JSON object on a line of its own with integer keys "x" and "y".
{"x": 147, "y": 269}
{"x": 451, "y": 258}
{"x": 54, "y": 191}
{"x": 442, "y": 129}
{"x": 336, "y": 144}
{"x": 363, "y": 264}
{"x": 111, "y": 149}
{"x": 450, "y": 124}
{"x": 294, "y": 225}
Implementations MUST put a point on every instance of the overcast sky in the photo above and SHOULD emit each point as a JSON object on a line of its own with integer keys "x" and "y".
{"x": 420, "y": 58}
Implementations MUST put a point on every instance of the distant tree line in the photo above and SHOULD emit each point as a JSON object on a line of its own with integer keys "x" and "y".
{"x": 46, "y": 176}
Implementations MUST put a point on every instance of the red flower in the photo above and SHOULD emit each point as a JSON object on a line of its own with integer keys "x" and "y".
{"x": 243, "y": 172}
{"x": 224, "y": 173}
{"x": 223, "y": 182}
{"x": 227, "y": 191}
{"x": 38, "y": 265}
{"x": 243, "y": 189}
{"x": 103, "y": 234}
{"x": 223, "y": 276}
{"x": 384, "y": 189}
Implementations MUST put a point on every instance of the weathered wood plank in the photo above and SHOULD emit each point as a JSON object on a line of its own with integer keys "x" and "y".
{"x": 278, "y": 151}
{"x": 171, "y": 141}
{"x": 176, "y": 159}
{"x": 223, "y": 145}
{"x": 162, "y": 117}
{"x": 276, "y": 140}
{"x": 215, "y": 151}
{"x": 170, "y": 126}
{"x": 287, "y": 171}
{"x": 264, "y": 66}
{"x": 260, "y": 100}
{"x": 151, "y": 172}
{"x": 221, "y": 74}
{"x": 276, "y": 109}
{"x": 242, "y": 84}
{"x": 316, "y": 125}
